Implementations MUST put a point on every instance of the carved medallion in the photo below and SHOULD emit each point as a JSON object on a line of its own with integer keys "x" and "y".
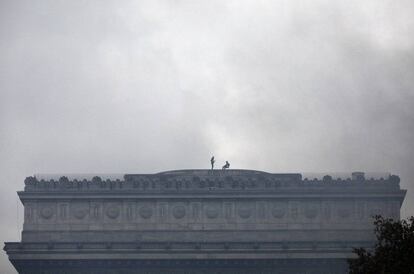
{"x": 145, "y": 212}
{"x": 113, "y": 211}
{"x": 178, "y": 212}
{"x": 311, "y": 211}
{"x": 212, "y": 212}
{"x": 47, "y": 212}
{"x": 344, "y": 211}
{"x": 279, "y": 210}
{"x": 244, "y": 211}
{"x": 79, "y": 211}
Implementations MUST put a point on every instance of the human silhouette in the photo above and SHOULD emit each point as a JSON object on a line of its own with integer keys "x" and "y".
{"x": 212, "y": 161}
{"x": 226, "y": 166}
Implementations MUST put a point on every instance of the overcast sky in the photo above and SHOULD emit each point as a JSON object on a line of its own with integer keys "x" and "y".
{"x": 148, "y": 86}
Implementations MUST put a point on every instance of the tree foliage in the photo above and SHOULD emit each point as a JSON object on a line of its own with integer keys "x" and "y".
{"x": 393, "y": 252}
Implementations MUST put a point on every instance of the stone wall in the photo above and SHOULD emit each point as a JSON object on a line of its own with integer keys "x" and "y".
{"x": 200, "y": 215}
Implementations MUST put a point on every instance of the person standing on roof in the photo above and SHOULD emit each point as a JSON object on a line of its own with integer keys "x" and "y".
{"x": 212, "y": 161}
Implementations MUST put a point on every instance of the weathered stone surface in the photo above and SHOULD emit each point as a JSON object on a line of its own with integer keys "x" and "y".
{"x": 213, "y": 220}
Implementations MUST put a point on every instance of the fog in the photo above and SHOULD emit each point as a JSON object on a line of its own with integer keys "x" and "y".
{"x": 147, "y": 86}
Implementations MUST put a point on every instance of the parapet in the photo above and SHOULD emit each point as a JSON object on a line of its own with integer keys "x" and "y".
{"x": 207, "y": 181}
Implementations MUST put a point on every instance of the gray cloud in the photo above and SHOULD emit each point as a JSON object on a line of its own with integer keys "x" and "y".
{"x": 285, "y": 86}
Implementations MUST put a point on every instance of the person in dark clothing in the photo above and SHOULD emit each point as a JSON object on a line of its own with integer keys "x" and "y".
{"x": 226, "y": 166}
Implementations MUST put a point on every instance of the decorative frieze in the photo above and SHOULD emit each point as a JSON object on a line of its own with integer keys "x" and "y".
{"x": 294, "y": 209}
{"x": 360, "y": 209}
{"x": 129, "y": 211}
{"x": 204, "y": 212}
{"x": 146, "y": 211}
{"x": 79, "y": 210}
{"x": 245, "y": 211}
{"x": 29, "y": 212}
{"x": 344, "y": 209}
{"x": 279, "y": 209}
{"x": 113, "y": 211}
{"x": 46, "y": 211}
{"x": 178, "y": 211}
{"x": 311, "y": 210}
{"x": 327, "y": 208}
{"x": 167, "y": 212}
{"x": 212, "y": 210}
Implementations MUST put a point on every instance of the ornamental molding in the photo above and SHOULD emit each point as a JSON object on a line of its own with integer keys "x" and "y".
{"x": 267, "y": 211}
{"x": 207, "y": 181}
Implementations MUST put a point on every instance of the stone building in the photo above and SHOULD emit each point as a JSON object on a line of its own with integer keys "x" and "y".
{"x": 199, "y": 221}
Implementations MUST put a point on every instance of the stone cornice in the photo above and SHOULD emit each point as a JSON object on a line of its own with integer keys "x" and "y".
{"x": 190, "y": 196}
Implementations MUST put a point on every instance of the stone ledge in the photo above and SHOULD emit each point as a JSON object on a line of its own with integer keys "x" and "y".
{"x": 171, "y": 247}
{"x": 177, "y": 265}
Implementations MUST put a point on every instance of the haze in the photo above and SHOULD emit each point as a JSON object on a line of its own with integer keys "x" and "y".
{"x": 148, "y": 86}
